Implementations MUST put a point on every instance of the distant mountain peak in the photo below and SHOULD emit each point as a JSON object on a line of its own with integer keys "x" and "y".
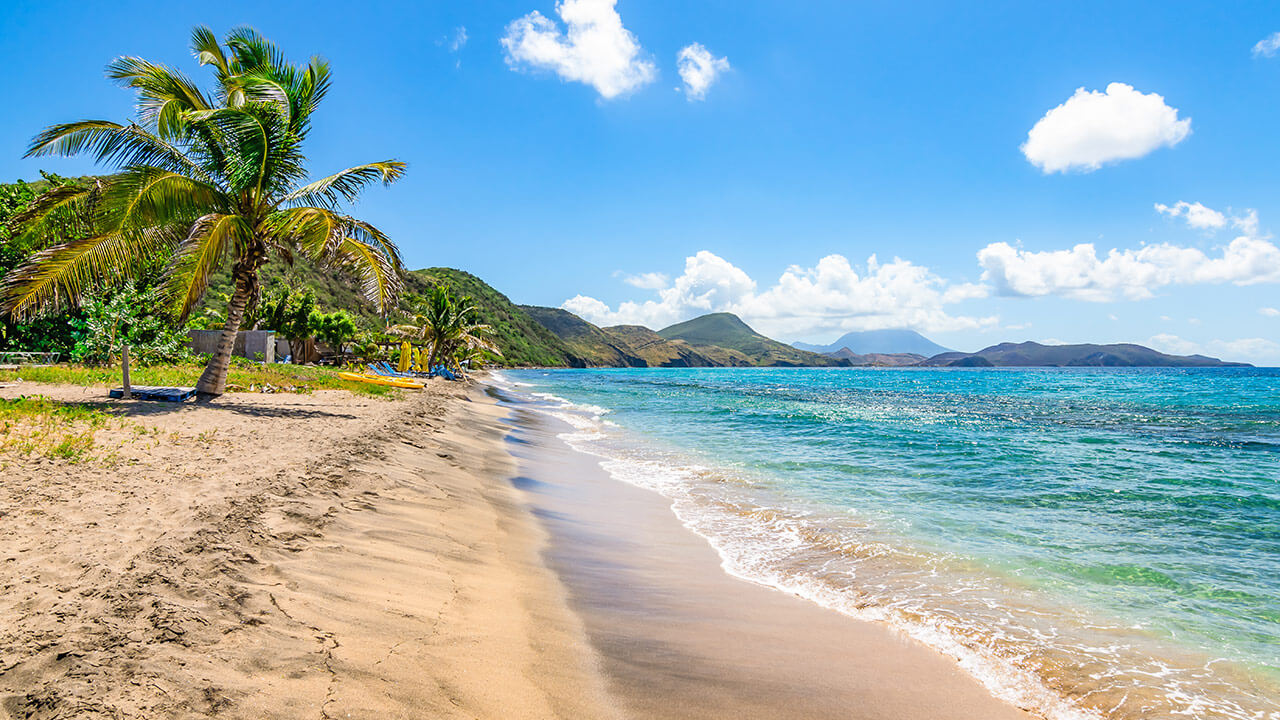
{"x": 880, "y": 342}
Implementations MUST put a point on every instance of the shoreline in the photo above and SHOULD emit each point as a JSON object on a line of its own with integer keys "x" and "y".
{"x": 680, "y": 637}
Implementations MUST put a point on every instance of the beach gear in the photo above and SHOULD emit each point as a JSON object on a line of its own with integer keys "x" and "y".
{"x": 382, "y": 380}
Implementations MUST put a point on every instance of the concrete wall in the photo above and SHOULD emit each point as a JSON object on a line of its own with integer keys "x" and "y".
{"x": 249, "y": 343}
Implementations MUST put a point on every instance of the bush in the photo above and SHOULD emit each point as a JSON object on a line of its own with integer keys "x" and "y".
{"x": 124, "y": 316}
{"x": 334, "y": 329}
{"x": 289, "y": 314}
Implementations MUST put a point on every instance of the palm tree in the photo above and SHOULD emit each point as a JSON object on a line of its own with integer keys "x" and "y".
{"x": 450, "y": 326}
{"x": 203, "y": 179}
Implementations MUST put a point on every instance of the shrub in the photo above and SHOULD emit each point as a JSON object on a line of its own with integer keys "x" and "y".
{"x": 334, "y": 329}
{"x": 124, "y": 316}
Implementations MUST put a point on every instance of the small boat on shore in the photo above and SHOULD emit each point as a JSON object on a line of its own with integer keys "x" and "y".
{"x": 382, "y": 380}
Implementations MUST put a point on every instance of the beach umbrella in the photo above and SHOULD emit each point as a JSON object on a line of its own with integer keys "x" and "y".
{"x": 405, "y": 350}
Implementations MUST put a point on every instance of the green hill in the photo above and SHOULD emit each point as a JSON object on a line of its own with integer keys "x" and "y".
{"x": 591, "y": 344}
{"x": 658, "y": 351}
{"x": 719, "y": 340}
{"x": 522, "y": 339}
{"x": 727, "y": 331}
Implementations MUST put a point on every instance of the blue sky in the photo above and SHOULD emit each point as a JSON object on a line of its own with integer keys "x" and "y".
{"x": 574, "y": 164}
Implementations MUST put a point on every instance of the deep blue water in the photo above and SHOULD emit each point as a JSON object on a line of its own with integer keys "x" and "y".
{"x": 1086, "y": 541}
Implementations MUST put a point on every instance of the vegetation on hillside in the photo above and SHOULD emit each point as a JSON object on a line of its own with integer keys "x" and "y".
{"x": 594, "y": 345}
{"x": 727, "y": 331}
{"x": 449, "y": 326}
{"x": 522, "y": 340}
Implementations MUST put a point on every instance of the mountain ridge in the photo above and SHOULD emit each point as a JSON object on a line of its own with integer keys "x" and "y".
{"x": 1034, "y": 354}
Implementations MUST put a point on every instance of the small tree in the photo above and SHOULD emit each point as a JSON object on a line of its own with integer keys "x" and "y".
{"x": 334, "y": 329}
{"x": 126, "y": 316}
{"x": 289, "y": 314}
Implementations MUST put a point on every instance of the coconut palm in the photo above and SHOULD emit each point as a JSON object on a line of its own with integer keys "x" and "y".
{"x": 203, "y": 179}
{"x": 450, "y": 326}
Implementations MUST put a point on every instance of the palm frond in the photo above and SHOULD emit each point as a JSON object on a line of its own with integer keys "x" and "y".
{"x": 114, "y": 144}
{"x": 59, "y": 214}
{"x": 60, "y": 276}
{"x": 211, "y": 240}
{"x": 346, "y": 185}
{"x": 164, "y": 94}
{"x": 370, "y": 235}
{"x": 315, "y": 231}
{"x": 260, "y": 87}
{"x": 378, "y": 275}
{"x": 144, "y": 197}
{"x": 52, "y": 201}
{"x": 250, "y": 51}
{"x": 262, "y": 152}
{"x": 207, "y": 51}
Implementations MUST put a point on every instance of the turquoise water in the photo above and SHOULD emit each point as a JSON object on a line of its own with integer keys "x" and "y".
{"x": 1087, "y": 542}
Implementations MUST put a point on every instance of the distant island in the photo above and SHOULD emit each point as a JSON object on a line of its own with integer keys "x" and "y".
{"x": 880, "y": 342}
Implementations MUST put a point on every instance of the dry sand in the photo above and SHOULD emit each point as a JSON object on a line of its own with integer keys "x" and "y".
{"x": 283, "y": 556}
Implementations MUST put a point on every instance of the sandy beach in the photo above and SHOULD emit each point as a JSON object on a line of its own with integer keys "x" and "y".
{"x": 438, "y": 556}
{"x": 283, "y": 556}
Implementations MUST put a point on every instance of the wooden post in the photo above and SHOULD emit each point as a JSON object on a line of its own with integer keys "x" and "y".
{"x": 124, "y": 362}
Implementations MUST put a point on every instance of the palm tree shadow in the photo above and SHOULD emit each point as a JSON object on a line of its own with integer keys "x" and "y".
{"x": 150, "y": 408}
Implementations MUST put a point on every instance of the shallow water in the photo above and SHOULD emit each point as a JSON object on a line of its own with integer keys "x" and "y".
{"x": 1086, "y": 542}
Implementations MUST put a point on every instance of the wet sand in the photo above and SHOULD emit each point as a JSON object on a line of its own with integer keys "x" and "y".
{"x": 680, "y": 638}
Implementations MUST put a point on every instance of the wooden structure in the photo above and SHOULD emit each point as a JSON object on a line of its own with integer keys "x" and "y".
{"x": 165, "y": 394}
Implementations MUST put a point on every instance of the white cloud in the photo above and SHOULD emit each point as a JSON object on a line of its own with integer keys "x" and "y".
{"x": 699, "y": 69}
{"x": 832, "y": 296}
{"x": 1094, "y": 128}
{"x": 1259, "y": 351}
{"x": 1247, "y": 223}
{"x": 1269, "y": 312}
{"x": 1201, "y": 217}
{"x": 594, "y": 48}
{"x": 1197, "y": 215}
{"x": 1172, "y": 344}
{"x": 1134, "y": 274}
{"x": 647, "y": 281}
{"x": 459, "y": 39}
{"x": 1267, "y": 46}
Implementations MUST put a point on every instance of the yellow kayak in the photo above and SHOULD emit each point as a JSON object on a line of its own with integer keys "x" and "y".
{"x": 382, "y": 380}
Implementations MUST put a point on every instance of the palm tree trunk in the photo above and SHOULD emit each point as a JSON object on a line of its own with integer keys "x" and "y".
{"x": 213, "y": 381}
{"x": 431, "y": 356}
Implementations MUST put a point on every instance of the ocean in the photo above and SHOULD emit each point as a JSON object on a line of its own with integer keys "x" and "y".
{"x": 1086, "y": 542}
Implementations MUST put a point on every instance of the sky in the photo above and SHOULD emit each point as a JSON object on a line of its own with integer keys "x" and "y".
{"x": 979, "y": 172}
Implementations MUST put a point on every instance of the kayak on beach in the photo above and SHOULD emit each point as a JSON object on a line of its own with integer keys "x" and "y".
{"x": 382, "y": 380}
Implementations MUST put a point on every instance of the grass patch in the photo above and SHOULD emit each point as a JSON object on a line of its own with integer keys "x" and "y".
{"x": 243, "y": 376}
{"x": 38, "y": 426}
